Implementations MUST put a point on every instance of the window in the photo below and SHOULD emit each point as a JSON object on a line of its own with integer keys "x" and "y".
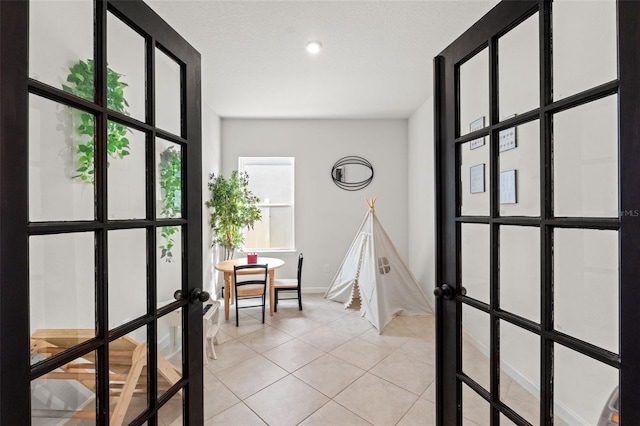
{"x": 272, "y": 180}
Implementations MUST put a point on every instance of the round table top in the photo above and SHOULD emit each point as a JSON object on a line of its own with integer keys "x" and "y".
{"x": 227, "y": 265}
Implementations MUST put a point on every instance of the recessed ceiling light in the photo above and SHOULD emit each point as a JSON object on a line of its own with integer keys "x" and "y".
{"x": 314, "y": 47}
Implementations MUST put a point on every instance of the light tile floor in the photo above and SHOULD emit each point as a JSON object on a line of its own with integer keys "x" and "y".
{"x": 323, "y": 365}
{"x": 328, "y": 366}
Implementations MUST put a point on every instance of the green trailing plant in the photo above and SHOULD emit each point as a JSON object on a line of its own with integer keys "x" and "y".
{"x": 81, "y": 77}
{"x": 233, "y": 208}
{"x": 170, "y": 169}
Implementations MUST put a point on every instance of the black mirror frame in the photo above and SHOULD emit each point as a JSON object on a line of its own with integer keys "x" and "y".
{"x": 337, "y": 173}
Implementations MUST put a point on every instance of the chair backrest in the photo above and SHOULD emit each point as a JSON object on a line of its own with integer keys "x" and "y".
{"x": 300, "y": 259}
{"x": 246, "y": 274}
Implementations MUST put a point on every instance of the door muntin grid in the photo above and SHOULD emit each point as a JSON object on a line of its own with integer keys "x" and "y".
{"x": 540, "y": 222}
{"x": 106, "y": 221}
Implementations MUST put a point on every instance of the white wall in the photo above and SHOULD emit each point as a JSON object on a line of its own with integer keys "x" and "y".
{"x": 328, "y": 217}
{"x": 211, "y": 160}
{"x": 421, "y": 201}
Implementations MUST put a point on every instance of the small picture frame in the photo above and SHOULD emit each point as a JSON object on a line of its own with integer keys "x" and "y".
{"x": 507, "y": 139}
{"x": 508, "y": 193}
{"x": 476, "y": 181}
{"x": 473, "y": 126}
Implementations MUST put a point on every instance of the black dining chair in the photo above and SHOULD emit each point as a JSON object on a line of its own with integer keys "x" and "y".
{"x": 289, "y": 285}
{"x": 250, "y": 282}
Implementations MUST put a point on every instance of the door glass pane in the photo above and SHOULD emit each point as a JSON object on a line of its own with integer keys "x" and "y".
{"x": 168, "y": 93}
{"x": 60, "y": 162}
{"x": 168, "y": 263}
{"x": 127, "y": 275}
{"x": 169, "y": 350}
{"x": 126, "y": 80}
{"x": 520, "y": 271}
{"x": 171, "y": 412}
{"x": 273, "y": 231}
{"x": 128, "y": 382}
{"x": 475, "y": 410}
{"x": 61, "y": 292}
{"x": 520, "y": 170}
{"x": 66, "y": 392}
{"x": 504, "y": 421}
{"x": 475, "y": 344}
{"x": 474, "y": 92}
{"x": 475, "y": 260}
{"x": 520, "y": 371}
{"x": 584, "y": 50}
{"x": 519, "y": 69}
{"x": 474, "y": 178}
{"x": 582, "y": 387}
{"x": 585, "y": 160}
{"x": 586, "y": 285}
{"x": 61, "y": 45}
{"x": 126, "y": 172}
{"x": 169, "y": 179}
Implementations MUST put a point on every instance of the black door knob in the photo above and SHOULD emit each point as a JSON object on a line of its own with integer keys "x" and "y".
{"x": 445, "y": 291}
{"x": 196, "y": 294}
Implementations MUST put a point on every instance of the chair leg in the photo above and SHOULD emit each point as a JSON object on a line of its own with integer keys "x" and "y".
{"x": 213, "y": 351}
{"x": 263, "y": 303}
{"x": 204, "y": 347}
{"x": 236, "y": 310}
{"x": 299, "y": 299}
{"x": 275, "y": 302}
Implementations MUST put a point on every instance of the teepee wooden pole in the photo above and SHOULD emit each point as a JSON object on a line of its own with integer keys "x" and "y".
{"x": 371, "y": 203}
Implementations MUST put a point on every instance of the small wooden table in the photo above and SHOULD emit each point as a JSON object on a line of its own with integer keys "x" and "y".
{"x": 227, "y": 267}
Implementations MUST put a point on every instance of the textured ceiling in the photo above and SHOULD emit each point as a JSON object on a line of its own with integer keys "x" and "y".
{"x": 376, "y": 60}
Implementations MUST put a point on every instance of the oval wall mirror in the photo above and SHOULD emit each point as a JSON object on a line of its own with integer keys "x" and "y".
{"x": 352, "y": 173}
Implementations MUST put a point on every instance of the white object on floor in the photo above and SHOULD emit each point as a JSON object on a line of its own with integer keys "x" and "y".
{"x": 211, "y": 325}
{"x": 386, "y": 285}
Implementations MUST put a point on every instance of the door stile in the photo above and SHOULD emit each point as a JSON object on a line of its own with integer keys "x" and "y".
{"x": 101, "y": 209}
{"x": 494, "y": 236}
{"x": 446, "y": 366}
{"x": 14, "y": 269}
{"x": 629, "y": 143}
{"x": 546, "y": 212}
{"x": 193, "y": 205}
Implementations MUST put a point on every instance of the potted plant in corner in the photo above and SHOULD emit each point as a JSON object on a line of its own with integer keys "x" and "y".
{"x": 233, "y": 208}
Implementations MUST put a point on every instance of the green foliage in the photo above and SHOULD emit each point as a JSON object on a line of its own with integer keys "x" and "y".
{"x": 171, "y": 186}
{"x": 81, "y": 76}
{"x": 233, "y": 208}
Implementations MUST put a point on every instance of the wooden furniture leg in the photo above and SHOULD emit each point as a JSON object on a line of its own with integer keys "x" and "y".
{"x": 227, "y": 287}
{"x": 138, "y": 361}
{"x": 272, "y": 291}
{"x": 168, "y": 371}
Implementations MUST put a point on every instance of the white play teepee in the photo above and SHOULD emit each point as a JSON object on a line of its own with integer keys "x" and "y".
{"x": 372, "y": 264}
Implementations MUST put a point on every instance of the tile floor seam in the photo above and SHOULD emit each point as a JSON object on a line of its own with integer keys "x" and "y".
{"x": 407, "y": 412}
{"x": 348, "y": 409}
{"x": 311, "y": 414}
{"x": 367, "y": 370}
{"x": 395, "y": 384}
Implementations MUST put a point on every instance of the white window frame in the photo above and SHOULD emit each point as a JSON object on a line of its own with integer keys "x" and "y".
{"x": 242, "y": 163}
